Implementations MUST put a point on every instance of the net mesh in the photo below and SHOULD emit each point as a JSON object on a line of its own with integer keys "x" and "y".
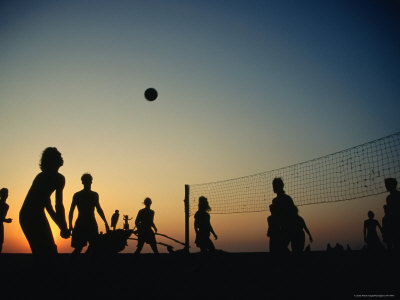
{"x": 349, "y": 174}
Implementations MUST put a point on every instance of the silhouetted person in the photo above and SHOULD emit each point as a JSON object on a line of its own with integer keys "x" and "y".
{"x": 393, "y": 210}
{"x": 145, "y": 225}
{"x": 274, "y": 231}
{"x": 285, "y": 211}
{"x": 203, "y": 228}
{"x": 114, "y": 219}
{"x": 3, "y": 213}
{"x": 85, "y": 229}
{"x": 32, "y": 216}
{"x": 370, "y": 235}
{"x": 338, "y": 248}
{"x": 297, "y": 236}
{"x": 126, "y": 223}
{"x": 387, "y": 229}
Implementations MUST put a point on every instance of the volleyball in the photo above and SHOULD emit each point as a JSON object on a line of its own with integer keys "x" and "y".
{"x": 150, "y": 94}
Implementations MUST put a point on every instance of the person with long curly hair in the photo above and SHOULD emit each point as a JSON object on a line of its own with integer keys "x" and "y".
{"x": 32, "y": 216}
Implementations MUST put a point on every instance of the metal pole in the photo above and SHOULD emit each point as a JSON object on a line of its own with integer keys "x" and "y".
{"x": 186, "y": 202}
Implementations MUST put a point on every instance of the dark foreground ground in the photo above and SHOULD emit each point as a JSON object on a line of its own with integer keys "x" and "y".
{"x": 316, "y": 275}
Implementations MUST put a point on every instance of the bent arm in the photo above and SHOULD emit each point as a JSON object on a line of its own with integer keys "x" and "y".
{"x": 308, "y": 232}
{"x": 212, "y": 231}
{"x": 71, "y": 213}
{"x": 365, "y": 231}
{"x": 379, "y": 226}
{"x": 101, "y": 214}
{"x": 60, "y": 211}
{"x": 154, "y": 225}
{"x": 52, "y": 212}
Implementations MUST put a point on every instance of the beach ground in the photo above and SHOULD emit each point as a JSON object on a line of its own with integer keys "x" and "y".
{"x": 317, "y": 275}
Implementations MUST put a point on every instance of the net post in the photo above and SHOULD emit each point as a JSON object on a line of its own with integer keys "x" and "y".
{"x": 186, "y": 203}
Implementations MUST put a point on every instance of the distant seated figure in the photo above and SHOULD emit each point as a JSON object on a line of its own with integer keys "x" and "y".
{"x": 85, "y": 229}
{"x": 114, "y": 219}
{"x": 370, "y": 235}
{"x": 145, "y": 225}
{"x": 203, "y": 228}
{"x": 393, "y": 210}
{"x": 339, "y": 248}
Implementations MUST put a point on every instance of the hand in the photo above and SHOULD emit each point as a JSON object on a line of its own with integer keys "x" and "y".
{"x": 215, "y": 236}
{"x": 311, "y": 239}
{"x": 65, "y": 233}
{"x": 9, "y": 220}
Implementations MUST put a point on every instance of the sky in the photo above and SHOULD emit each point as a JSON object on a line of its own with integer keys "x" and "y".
{"x": 244, "y": 87}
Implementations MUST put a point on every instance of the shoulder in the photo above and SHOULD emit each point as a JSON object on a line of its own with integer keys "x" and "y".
{"x": 77, "y": 195}
{"x": 288, "y": 198}
{"x": 60, "y": 180}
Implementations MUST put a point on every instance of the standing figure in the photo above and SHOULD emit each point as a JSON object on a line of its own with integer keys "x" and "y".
{"x": 393, "y": 211}
{"x": 203, "y": 228}
{"x": 297, "y": 235}
{"x": 114, "y": 219}
{"x": 370, "y": 235}
{"x": 126, "y": 223}
{"x": 387, "y": 229}
{"x": 3, "y": 213}
{"x": 275, "y": 243}
{"x": 32, "y": 217}
{"x": 285, "y": 212}
{"x": 144, "y": 223}
{"x": 85, "y": 229}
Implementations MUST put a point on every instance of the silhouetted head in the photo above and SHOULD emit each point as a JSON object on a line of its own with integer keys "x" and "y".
{"x": 371, "y": 215}
{"x": 87, "y": 179}
{"x": 277, "y": 185}
{"x": 117, "y": 211}
{"x": 147, "y": 201}
{"x": 391, "y": 184}
{"x": 51, "y": 160}
{"x": 3, "y": 194}
{"x": 203, "y": 204}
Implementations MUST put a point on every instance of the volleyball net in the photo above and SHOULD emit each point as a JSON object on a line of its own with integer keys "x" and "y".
{"x": 353, "y": 173}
